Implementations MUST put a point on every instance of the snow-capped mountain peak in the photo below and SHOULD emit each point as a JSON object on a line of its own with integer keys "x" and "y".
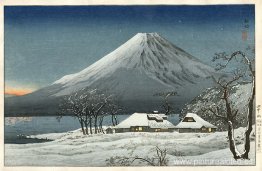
{"x": 148, "y": 53}
{"x": 144, "y": 65}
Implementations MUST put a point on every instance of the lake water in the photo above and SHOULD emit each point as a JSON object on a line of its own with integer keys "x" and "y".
{"x": 17, "y": 127}
{"x": 23, "y": 126}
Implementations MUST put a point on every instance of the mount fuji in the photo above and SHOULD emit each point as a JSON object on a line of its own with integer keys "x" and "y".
{"x": 144, "y": 65}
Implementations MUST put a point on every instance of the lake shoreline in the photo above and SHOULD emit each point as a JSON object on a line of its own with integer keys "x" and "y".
{"x": 30, "y": 126}
{"x": 26, "y": 140}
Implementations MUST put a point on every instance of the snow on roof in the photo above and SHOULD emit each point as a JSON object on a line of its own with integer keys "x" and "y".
{"x": 164, "y": 124}
{"x": 141, "y": 119}
{"x": 199, "y": 122}
{"x": 156, "y": 115}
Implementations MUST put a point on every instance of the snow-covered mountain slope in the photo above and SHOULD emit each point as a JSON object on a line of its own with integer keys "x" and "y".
{"x": 146, "y": 54}
{"x": 144, "y": 65}
{"x": 239, "y": 96}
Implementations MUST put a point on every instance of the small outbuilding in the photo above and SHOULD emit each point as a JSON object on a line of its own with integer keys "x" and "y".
{"x": 194, "y": 123}
{"x": 109, "y": 130}
{"x": 144, "y": 122}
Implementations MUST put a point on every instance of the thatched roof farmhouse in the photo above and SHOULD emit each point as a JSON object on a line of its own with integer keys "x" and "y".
{"x": 144, "y": 122}
{"x": 194, "y": 123}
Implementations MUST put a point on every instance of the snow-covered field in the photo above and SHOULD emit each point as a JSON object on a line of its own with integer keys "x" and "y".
{"x": 74, "y": 149}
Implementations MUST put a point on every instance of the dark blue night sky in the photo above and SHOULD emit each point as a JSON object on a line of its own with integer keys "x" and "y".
{"x": 44, "y": 43}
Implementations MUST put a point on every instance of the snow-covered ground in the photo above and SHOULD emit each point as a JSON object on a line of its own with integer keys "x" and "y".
{"x": 74, "y": 149}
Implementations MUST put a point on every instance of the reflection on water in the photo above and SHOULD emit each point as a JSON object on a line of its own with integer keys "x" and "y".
{"x": 17, "y": 127}
{"x": 14, "y": 120}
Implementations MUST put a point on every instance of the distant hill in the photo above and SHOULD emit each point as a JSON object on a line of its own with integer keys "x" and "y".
{"x": 239, "y": 96}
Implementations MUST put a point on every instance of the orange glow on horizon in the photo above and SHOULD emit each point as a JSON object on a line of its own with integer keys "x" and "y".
{"x": 17, "y": 91}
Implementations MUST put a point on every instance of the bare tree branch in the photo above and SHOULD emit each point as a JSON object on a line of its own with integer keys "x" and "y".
{"x": 231, "y": 114}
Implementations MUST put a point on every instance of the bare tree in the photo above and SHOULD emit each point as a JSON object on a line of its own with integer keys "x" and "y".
{"x": 159, "y": 159}
{"x": 240, "y": 75}
{"x": 101, "y": 102}
{"x": 166, "y": 104}
{"x": 110, "y": 109}
{"x": 71, "y": 104}
{"x": 87, "y": 106}
{"x": 229, "y": 113}
{"x": 114, "y": 109}
{"x": 100, "y": 121}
